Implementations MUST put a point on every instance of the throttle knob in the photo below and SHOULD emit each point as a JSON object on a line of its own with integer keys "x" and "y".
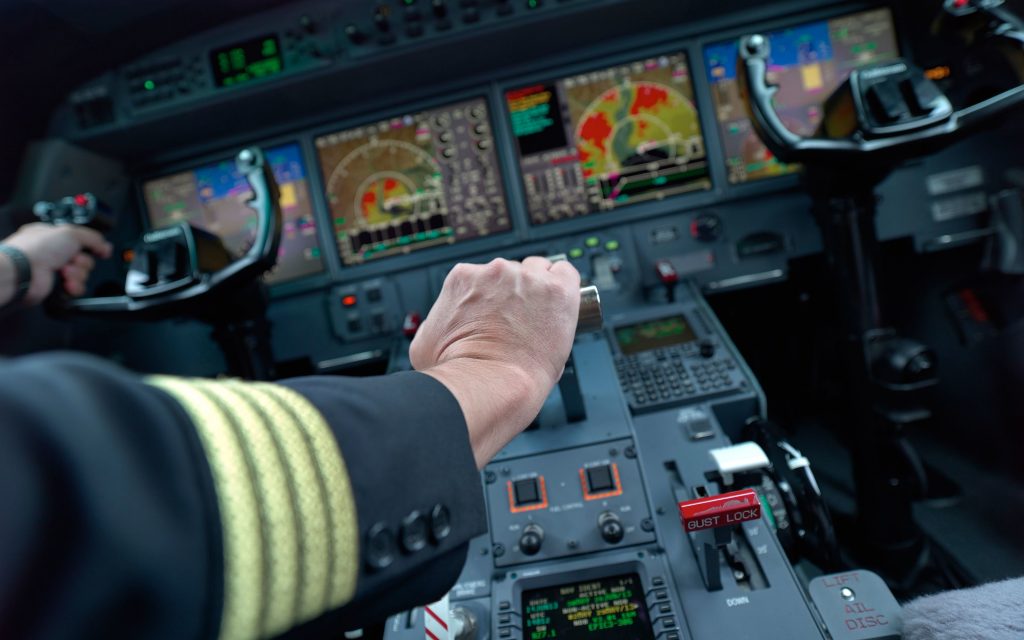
{"x": 532, "y": 539}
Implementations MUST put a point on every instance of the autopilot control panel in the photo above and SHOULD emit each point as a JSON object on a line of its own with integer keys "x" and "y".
{"x": 406, "y": 136}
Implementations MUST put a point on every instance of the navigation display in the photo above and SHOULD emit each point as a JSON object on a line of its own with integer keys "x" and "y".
{"x": 808, "y": 63}
{"x": 213, "y": 197}
{"x": 415, "y": 181}
{"x": 609, "y": 138}
{"x": 655, "y": 334}
{"x": 605, "y": 609}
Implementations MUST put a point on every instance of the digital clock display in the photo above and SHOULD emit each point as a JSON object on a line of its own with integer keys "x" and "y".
{"x": 246, "y": 61}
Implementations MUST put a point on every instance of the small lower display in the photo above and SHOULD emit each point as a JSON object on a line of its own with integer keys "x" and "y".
{"x": 609, "y": 608}
{"x": 655, "y": 334}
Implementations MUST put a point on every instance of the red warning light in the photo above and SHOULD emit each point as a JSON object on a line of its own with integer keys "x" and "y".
{"x": 348, "y": 301}
{"x": 81, "y": 199}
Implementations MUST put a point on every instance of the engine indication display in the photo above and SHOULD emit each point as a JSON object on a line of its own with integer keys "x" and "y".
{"x": 808, "y": 63}
{"x": 213, "y": 198}
{"x": 414, "y": 181}
{"x": 609, "y": 138}
{"x": 606, "y": 608}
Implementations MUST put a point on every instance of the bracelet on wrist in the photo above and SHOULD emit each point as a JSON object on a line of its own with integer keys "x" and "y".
{"x": 23, "y": 273}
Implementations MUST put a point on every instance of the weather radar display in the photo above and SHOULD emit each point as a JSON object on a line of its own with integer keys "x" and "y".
{"x": 609, "y": 138}
{"x": 413, "y": 181}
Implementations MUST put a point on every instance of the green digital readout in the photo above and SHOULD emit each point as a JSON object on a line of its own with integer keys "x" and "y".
{"x": 606, "y": 608}
{"x": 655, "y": 334}
{"x": 246, "y": 61}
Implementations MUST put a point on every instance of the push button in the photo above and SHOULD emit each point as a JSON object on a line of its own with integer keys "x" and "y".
{"x": 600, "y": 479}
{"x": 413, "y": 533}
{"x": 380, "y": 547}
{"x": 526, "y": 492}
{"x": 440, "y": 523}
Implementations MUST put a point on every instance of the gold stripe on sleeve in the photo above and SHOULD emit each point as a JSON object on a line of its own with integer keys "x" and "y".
{"x": 288, "y": 514}
{"x": 310, "y": 597}
{"x": 239, "y": 513}
{"x": 341, "y": 503}
{"x": 277, "y": 513}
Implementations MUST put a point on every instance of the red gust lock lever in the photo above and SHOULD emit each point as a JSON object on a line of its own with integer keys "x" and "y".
{"x": 723, "y": 510}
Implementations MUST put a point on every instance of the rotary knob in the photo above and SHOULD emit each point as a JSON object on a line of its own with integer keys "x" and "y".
{"x": 611, "y": 527}
{"x": 532, "y": 539}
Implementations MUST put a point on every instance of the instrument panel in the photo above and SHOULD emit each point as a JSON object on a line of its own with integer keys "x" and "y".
{"x": 632, "y": 134}
{"x": 521, "y": 133}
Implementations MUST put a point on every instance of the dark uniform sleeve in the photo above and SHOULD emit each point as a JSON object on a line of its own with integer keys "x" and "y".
{"x": 173, "y": 508}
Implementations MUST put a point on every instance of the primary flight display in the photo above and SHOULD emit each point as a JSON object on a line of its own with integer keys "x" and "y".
{"x": 413, "y": 181}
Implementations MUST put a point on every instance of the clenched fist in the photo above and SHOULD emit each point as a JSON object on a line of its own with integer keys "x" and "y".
{"x": 498, "y": 337}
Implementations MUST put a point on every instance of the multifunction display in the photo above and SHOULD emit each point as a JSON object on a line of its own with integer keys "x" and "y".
{"x": 213, "y": 197}
{"x": 414, "y": 181}
{"x": 656, "y": 334}
{"x": 606, "y": 608}
{"x": 610, "y": 138}
{"x": 808, "y": 63}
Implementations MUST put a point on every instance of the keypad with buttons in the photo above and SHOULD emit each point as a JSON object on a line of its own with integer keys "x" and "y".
{"x": 674, "y": 375}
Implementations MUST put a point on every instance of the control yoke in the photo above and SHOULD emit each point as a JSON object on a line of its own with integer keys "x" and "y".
{"x": 882, "y": 115}
{"x": 177, "y": 269}
{"x": 884, "y": 112}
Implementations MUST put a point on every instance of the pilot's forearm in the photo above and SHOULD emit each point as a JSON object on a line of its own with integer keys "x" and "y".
{"x": 497, "y": 401}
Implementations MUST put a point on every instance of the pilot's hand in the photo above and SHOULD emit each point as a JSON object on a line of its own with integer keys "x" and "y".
{"x": 63, "y": 249}
{"x": 498, "y": 337}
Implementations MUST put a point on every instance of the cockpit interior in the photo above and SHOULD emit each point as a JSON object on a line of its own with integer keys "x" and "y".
{"x": 800, "y": 225}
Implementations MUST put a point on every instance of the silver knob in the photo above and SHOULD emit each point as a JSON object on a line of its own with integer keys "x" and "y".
{"x": 591, "y": 317}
